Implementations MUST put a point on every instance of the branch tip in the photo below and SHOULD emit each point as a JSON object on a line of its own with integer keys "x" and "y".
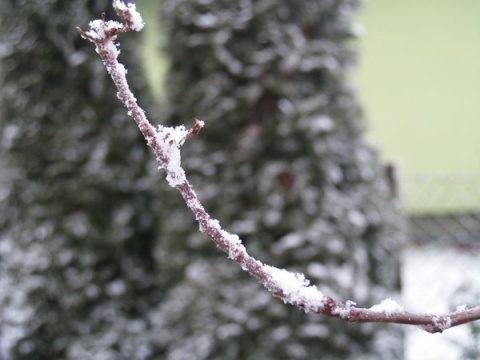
{"x": 81, "y": 32}
{"x": 195, "y": 130}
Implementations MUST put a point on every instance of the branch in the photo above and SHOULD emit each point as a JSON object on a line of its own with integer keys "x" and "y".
{"x": 165, "y": 142}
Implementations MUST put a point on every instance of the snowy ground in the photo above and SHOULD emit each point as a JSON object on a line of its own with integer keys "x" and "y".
{"x": 431, "y": 279}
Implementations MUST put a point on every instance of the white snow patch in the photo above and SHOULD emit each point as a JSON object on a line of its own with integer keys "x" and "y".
{"x": 296, "y": 289}
{"x": 388, "y": 307}
{"x": 135, "y": 17}
{"x": 98, "y": 27}
{"x": 424, "y": 293}
{"x": 170, "y": 140}
{"x": 350, "y": 303}
{"x": 232, "y": 238}
{"x": 111, "y": 47}
{"x": 442, "y": 323}
{"x": 343, "y": 312}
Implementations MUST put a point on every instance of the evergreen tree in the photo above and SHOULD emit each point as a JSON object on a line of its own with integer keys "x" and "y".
{"x": 77, "y": 224}
{"x": 284, "y": 163}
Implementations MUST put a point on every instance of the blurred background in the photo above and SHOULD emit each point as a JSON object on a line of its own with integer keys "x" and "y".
{"x": 417, "y": 81}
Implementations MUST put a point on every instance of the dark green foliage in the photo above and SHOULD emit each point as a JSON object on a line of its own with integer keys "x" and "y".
{"x": 77, "y": 221}
{"x": 284, "y": 163}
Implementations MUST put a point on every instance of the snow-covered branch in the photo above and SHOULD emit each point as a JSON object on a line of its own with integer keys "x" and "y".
{"x": 166, "y": 142}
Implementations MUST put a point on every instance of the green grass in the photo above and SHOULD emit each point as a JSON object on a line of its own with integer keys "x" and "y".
{"x": 419, "y": 83}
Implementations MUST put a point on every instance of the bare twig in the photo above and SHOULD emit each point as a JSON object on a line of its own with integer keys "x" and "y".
{"x": 166, "y": 142}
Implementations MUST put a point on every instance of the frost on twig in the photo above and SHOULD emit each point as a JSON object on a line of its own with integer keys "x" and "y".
{"x": 166, "y": 142}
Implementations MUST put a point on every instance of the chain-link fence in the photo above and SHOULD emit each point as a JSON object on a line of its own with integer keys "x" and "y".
{"x": 441, "y": 266}
{"x": 441, "y": 193}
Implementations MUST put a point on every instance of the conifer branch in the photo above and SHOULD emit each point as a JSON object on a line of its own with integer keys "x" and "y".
{"x": 165, "y": 142}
